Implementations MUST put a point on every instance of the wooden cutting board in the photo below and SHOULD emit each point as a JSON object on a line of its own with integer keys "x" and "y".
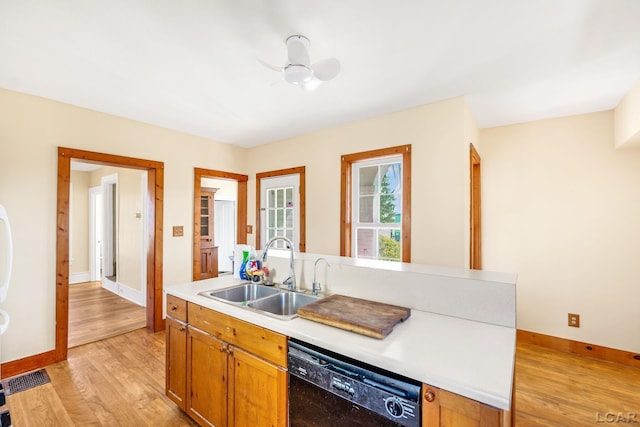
{"x": 370, "y": 318}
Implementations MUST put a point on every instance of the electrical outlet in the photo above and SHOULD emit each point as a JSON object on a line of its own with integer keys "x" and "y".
{"x": 574, "y": 320}
{"x": 178, "y": 231}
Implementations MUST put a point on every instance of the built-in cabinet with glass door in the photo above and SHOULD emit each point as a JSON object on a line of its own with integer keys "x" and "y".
{"x": 208, "y": 250}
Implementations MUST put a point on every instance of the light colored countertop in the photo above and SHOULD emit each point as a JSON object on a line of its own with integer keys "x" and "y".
{"x": 466, "y": 357}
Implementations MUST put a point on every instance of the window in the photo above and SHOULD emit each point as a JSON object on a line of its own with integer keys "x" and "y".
{"x": 376, "y": 204}
{"x": 377, "y": 215}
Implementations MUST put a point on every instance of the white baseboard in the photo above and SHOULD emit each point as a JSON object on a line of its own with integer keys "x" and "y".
{"x": 133, "y": 295}
{"x": 80, "y": 277}
{"x": 109, "y": 285}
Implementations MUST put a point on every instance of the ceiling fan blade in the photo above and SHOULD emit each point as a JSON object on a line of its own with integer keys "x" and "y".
{"x": 326, "y": 69}
{"x": 271, "y": 67}
{"x": 298, "y": 50}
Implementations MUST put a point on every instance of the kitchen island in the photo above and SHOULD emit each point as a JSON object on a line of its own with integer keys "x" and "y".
{"x": 459, "y": 340}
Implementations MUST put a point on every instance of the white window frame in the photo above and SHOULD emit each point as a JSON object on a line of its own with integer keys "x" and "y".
{"x": 280, "y": 182}
{"x": 355, "y": 203}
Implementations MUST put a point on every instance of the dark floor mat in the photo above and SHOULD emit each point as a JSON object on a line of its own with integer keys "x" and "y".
{"x": 25, "y": 382}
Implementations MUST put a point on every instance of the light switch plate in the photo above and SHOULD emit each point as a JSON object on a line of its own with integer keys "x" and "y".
{"x": 178, "y": 231}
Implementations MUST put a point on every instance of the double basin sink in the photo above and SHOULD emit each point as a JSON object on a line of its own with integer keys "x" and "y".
{"x": 271, "y": 301}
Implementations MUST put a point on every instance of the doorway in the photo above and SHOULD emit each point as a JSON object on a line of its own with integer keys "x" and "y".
{"x": 475, "y": 255}
{"x": 153, "y": 220}
{"x": 280, "y": 206}
{"x": 225, "y": 232}
{"x": 95, "y": 233}
{"x": 241, "y": 211}
{"x": 110, "y": 230}
{"x": 107, "y": 238}
{"x": 223, "y": 221}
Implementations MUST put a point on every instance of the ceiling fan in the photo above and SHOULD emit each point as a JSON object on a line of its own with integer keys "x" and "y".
{"x": 298, "y": 69}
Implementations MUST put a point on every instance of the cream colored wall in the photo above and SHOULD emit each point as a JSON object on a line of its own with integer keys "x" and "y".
{"x": 31, "y": 129}
{"x": 130, "y": 229}
{"x": 439, "y": 177}
{"x": 80, "y": 222}
{"x": 561, "y": 208}
{"x": 471, "y": 136}
{"x": 627, "y": 119}
{"x": 227, "y": 188}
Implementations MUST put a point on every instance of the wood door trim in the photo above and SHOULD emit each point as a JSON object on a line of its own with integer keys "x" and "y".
{"x": 241, "y": 214}
{"x": 300, "y": 170}
{"x": 475, "y": 214}
{"x": 155, "y": 199}
{"x": 347, "y": 162}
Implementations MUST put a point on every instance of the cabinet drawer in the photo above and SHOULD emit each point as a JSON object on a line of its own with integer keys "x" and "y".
{"x": 262, "y": 342}
{"x": 176, "y": 308}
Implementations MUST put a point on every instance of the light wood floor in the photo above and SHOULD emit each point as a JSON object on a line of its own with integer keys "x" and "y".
{"x": 120, "y": 382}
{"x": 560, "y": 389}
{"x": 115, "y": 382}
{"x": 96, "y": 314}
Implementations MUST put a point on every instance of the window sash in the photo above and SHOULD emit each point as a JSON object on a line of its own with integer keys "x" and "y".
{"x": 280, "y": 218}
{"x": 370, "y": 235}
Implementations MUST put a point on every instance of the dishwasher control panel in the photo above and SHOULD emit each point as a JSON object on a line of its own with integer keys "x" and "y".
{"x": 393, "y": 397}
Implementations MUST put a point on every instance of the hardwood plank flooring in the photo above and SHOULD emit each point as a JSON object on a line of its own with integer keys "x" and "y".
{"x": 120, "y": 382}
{"x": 114, "y": 382}
{"x": 96, "y": 314}
{"x": 554, "y": 388}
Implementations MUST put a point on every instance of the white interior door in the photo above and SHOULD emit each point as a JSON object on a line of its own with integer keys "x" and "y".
{"x": 225, "y": 233}
{"x": 95, "y": 233}
{"x": 280, "y": 209}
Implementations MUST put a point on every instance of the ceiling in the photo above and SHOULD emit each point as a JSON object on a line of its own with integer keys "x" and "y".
{"x": 192, "y": 65}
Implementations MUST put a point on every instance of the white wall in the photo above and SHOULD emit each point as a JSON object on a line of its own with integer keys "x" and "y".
{"x": 31, "y": 129}
{"x": 561, "y": 207}
{"x": 440, "y": 171}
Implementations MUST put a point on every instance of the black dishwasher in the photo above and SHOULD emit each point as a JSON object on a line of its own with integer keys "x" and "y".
{"x": 327, "y": 389}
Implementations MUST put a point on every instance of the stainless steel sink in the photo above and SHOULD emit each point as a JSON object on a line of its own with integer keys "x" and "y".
{"x": 283, "y": 305}
{"x": 242, "y": 293}
{"x": 270, "y": 301}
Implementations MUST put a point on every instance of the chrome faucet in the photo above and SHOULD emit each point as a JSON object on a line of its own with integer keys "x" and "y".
{"x": 316, "y": 287}
{"x": 289, "y": 282}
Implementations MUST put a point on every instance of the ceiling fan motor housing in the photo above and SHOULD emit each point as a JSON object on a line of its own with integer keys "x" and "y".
{"x": 297, "y": 74}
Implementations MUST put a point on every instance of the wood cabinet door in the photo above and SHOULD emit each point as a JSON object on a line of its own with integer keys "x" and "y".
{"x": 206, "y": 378}
{"x": 442, "y": 408}
{"x": 176, "y": 361}
{"x": 208, "y": 262}
{"x": 257, "y": 392}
